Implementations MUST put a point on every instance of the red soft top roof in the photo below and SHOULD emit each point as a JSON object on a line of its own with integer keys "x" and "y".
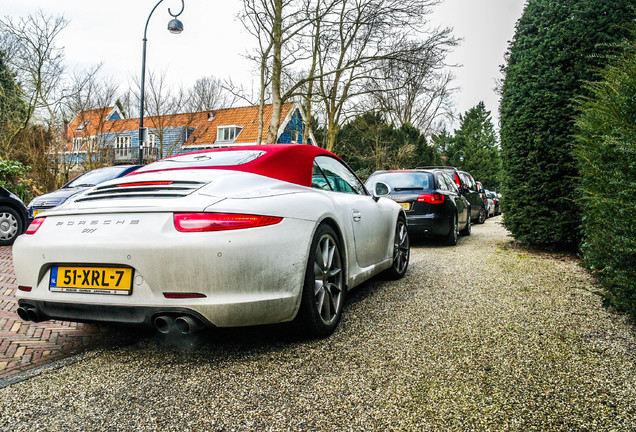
{"x": 288, "y": 162}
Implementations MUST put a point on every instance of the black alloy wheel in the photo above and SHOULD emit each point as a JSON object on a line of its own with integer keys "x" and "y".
{"x": 451, "y": 238}
{"x": 401, "y": 251}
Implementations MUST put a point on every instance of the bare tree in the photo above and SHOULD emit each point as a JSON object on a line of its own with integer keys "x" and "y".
{"x": 278, "y": 26}
{"x": 420, "y": 97}
{"x": 33, "y": 54}
{"x": 90, "y": 99}
{"x": 370, "y": 35}
{"x": 162, "y": 104}
{"x": 333, "y": 51}
{"x": 207, "y": 94}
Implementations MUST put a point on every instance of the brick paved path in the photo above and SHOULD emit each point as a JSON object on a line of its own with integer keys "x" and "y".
{"x": 26, "y": 345}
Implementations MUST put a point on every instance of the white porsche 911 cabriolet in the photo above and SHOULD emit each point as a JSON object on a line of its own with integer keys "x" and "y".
{"x": 226, "y": 237}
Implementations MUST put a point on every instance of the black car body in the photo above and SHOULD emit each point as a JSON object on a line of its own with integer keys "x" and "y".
{"x": 78, "y": 185}
{"x": 14, "y": 217}
{"x": 433, "y": 204}
{"x": 469, "y": 189}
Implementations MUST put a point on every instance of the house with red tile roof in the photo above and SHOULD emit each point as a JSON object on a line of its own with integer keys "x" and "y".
{"x": 105, "y": 134}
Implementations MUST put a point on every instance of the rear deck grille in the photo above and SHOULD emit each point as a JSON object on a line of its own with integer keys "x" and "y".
{"x": 175, "y": 189}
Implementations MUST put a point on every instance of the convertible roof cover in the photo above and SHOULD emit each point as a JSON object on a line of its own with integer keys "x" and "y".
{"x": 292, "y": 163}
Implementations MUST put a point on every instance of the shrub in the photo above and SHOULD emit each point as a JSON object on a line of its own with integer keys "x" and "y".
{"x": 606, "y": 154}
{"x": 558, "y": 46}
{"x": 13, "y": 178}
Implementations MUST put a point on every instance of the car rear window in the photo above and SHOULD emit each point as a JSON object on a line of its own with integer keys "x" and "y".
{"x": 202, "y": 160}
{"x": 404, "y": 181}
{"x": 96, "y": 176}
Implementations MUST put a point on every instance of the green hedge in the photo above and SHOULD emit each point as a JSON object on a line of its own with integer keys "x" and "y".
{"x": 606, "y": 153}
{"x": 558, "y": 46}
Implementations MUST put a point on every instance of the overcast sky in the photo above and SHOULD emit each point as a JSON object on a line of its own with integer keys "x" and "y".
{"x": 213, "y": 42}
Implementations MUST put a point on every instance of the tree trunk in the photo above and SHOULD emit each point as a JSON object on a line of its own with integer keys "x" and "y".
{"x": 277, "y": 67}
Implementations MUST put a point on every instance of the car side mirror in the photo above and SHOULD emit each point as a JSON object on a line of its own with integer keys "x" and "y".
{"x": 380, "y": 189}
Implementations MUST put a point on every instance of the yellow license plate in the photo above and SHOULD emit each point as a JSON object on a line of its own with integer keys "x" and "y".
{"x": 406, "y": 206}
{"x": 91, "y": 280}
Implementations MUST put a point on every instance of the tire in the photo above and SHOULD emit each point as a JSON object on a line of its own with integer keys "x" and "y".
{"x": 11, "y": 226}
{"x": 401, "y": 252}
{"x": 482, "y": 216}
{"x": 451, "y": 238}
{"x": 324, "y": 288}
{"x": 466, "y": 231}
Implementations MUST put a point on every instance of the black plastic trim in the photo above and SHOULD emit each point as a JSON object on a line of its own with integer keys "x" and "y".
{"x": 107, "y": 314}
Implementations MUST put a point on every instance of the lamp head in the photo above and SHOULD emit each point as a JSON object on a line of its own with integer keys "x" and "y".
{"x": 175, "y": 26}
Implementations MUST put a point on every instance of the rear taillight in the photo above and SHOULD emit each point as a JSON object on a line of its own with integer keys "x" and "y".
{"x": 198, "y": 222}
{"x": 457, "y": 181}
{"x": 431, "y": 198}
{"x": 35, "y": 225}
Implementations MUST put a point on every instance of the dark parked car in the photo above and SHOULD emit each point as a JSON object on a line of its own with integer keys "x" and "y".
{"x": 77, "y": 185}
{"x": 432, "y": 202}
{"x": 468, "y": 187}
{"x": 14, "y": 217}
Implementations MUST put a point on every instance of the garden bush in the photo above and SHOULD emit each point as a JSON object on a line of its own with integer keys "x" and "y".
{"x": 606, "y": 154}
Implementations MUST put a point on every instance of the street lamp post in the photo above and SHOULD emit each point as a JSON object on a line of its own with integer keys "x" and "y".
{"x": 174, "y": 26}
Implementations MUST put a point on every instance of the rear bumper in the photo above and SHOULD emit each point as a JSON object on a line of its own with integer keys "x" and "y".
{"x": 105, "y": 314}
{"x": 429, "y": 224}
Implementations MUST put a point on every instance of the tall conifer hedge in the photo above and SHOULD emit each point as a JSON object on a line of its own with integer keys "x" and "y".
{"x": 558, "y": 45}
{"x": 606, "y": 152}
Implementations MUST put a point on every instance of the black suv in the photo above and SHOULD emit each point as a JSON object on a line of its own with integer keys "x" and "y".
{"x": 431, "y": 201}
{"x": 468, "y": 188}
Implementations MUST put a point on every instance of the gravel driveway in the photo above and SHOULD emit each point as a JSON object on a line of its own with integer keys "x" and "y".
{"x": 481, "y": 336}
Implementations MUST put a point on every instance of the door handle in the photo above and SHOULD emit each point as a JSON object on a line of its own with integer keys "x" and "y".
{"x": 357, "y": 216}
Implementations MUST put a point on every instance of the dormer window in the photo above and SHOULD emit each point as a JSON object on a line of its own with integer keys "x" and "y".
{"x": 82, "y": 126}
{"x": 228, "y": 133}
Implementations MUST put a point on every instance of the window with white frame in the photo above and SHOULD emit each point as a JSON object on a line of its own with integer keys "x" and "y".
{"x": 122, "y": 146}
{"x": 152, "y": 143}
{"x": 228, "y": 133}
{"x": 91, "y": 144}
{"x": 77, "y": 144}
{"x": 152, "y": 140}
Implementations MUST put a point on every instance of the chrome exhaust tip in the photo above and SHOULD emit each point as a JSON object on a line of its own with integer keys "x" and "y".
{"x": 33, "y": 314}
{"x": 23, "y": 314}
{"x": 186, "y": 324}
{"x": 164, "y": 324}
